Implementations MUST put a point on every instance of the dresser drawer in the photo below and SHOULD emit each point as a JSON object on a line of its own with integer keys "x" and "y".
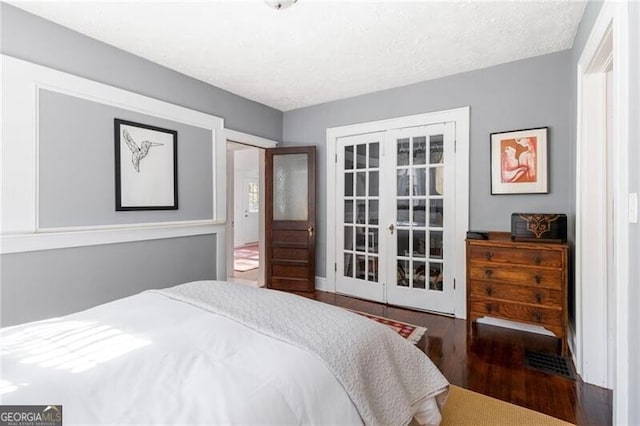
{"x": 515, "y": 293}
{"x": 501, "y": 255}
{"x": 517, "y": 312}
{"x": 534, "y": 277}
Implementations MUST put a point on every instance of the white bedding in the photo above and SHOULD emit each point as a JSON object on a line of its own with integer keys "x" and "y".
{"x": 147, "y": 359}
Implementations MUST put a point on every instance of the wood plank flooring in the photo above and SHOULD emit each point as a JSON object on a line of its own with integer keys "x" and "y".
{"x": 492, "y": 363}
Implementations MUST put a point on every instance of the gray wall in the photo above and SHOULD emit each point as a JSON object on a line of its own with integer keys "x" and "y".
{"x": 51, "y": 283}
{"x": 529, "y": 93}
{"x": 55, "y": 282}
{"x": 29, "y": 37}
{"x": 77, "y": 165}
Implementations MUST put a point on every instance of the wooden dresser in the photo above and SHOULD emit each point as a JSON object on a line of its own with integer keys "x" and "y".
{"x": 518, "y": 281}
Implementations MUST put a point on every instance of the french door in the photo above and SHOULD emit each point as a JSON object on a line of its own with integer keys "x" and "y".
{"x": 395, "y": 195}
{"x": 359, "y": 214}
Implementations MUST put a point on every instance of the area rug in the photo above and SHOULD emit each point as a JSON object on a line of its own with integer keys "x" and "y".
{"x": 411, "y": 332}
{"x": 246, "y": 258}
{"x": 465, "y": 407}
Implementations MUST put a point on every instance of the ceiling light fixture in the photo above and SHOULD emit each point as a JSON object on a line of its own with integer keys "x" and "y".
{"x": 280, "y": 4}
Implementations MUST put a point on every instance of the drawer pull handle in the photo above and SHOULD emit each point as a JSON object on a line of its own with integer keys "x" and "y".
{"x": 538, "y": 298}
{"x": 488, "y": 273}
{"x": 490, "y": 308}
{"x": 488, "y": 255}
{"x": 488, "y": 291}
{"x": 538, "y": 278}
{"x": 538, "y": 316}
{"x": 537, "y": 259}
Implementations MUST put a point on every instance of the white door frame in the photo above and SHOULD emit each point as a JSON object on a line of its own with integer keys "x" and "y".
{"x": 460, "y": 116}
{"x": 609, "y": 40}
{"x": 258, "y": 142}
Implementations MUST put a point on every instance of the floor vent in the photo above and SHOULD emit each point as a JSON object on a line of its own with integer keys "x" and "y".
{"x": 549, "y": 363}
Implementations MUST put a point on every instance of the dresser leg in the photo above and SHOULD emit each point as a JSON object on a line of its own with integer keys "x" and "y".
{"x": 470, "y": 323}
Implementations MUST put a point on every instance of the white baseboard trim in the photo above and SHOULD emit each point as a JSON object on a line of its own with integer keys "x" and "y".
{"x": 323, "y": 285}
{"x": 572, "y": 342}
{"x": 515, "y": 326}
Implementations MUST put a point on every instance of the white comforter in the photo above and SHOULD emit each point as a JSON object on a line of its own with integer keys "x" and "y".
{"x": 147, "y": 359}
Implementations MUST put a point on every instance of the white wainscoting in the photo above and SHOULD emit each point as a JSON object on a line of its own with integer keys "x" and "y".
{"x": 20, "y": 228}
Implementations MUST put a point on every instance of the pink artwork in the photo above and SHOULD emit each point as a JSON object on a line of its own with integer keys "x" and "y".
{"x": 518, "y": 160}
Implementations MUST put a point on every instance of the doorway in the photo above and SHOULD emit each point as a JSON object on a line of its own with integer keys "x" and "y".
{"x": 246, "y": 209}
{"x": 602, "y": 206}
{"x": 245, "y": 230}
{"x": 404, "y": 261}
{"x": 401, "y": 210}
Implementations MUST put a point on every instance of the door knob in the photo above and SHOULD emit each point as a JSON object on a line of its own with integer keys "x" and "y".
{"x": 310, "y": 231}
{"x": 391, "y": 228}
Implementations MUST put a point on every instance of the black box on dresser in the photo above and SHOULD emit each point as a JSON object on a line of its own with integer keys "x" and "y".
{"x": 539, "y": 227}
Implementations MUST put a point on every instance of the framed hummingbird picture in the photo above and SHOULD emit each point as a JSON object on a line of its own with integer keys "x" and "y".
{"x": 146, "y": 167}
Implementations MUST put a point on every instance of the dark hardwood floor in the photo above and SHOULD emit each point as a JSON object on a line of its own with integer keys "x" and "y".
{"x": 492, "y": 363}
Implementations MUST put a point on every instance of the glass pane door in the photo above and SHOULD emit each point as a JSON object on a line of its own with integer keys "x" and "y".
{"x": 358, "y": 210}
{"x": 394, "y": 236}
{"x": 422, "y": 187}
{"x": 290, "y": 184}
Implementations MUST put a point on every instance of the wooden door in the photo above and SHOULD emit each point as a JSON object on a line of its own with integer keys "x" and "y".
{"x": 290, "y": 218}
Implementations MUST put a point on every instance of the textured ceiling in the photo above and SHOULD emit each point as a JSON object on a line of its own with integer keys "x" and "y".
{"x": 318, "y": 51}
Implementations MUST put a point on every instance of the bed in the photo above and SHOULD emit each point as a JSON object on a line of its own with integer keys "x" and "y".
{"x": 212, "y": 352}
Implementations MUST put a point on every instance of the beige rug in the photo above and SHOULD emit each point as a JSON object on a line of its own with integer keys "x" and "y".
{"x": 465, "y": 407}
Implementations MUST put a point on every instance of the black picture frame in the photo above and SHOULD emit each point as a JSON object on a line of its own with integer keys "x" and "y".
{"x": 146, "y": 166}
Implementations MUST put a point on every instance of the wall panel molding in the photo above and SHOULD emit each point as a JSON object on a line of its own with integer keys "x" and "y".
{"x": 88, "y": 236}
{"x": 19, "y": 224}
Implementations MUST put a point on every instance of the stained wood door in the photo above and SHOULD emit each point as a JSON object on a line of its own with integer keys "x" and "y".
{"x": 290, "y": 218}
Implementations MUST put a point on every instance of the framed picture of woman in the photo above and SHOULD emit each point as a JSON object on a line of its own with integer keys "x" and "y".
{"x": 519, "y": 162}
